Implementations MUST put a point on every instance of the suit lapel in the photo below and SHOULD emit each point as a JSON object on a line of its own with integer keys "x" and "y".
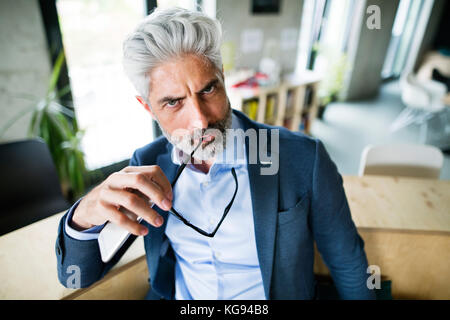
{"x": 264, "y": 193}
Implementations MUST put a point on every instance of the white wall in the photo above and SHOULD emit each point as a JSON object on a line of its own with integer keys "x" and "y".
{"x": 367, "y": 51}
{"x": 24, "y": 61}
{"x": 236, "y": 16}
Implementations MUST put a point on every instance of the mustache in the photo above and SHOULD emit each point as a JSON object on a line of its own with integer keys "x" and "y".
{"x": 220, "y": 125}
{"x": 213, "y": 143}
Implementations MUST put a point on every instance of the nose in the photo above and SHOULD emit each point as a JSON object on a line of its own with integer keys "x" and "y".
{"x": 197, "y": 114}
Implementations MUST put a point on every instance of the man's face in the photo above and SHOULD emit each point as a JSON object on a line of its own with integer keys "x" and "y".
{"x": 187, "y": 95}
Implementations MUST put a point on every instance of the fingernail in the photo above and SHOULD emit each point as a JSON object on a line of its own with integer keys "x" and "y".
{"x": 159, "y": 221}
{"x": 144, "y": 231}
{"x": 166, "y": 204}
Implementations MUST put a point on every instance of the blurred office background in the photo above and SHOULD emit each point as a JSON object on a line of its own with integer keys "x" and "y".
{"x": 369, "y": 78}
{"x": 353, "y": 73}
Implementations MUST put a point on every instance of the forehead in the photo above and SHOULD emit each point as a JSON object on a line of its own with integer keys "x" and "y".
{"x": 181, "y": 72}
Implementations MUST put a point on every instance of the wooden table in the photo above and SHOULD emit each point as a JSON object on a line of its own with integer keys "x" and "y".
{"x": 28, "y": 267}
{"x": 404, "y": 222}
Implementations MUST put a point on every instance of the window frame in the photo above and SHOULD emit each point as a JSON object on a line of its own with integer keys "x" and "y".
{"x": 55, "y": 45}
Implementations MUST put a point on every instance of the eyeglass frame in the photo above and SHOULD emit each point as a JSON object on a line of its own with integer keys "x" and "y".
{"x": 225, "y": 212}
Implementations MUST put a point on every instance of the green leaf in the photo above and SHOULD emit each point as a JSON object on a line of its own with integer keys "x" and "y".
{"x": 55, "y": 73}
{"x": 56, "y": 107}
{"x": 51, "y": 121}
{"x": 72, "y": 171}
{"x": 62, "y": 92}
{"x": 60, "y": 125}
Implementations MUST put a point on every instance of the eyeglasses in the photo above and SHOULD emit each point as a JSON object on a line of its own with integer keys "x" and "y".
{"x": 225, "y": 212}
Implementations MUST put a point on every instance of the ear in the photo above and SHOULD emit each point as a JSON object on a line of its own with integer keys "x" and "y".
{"x": 223, "y": 74}
{"x": 145, "y": 105}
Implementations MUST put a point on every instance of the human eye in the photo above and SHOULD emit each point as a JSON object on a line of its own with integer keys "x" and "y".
{"x": 209, "y": 89}
{"x": 172, "y": 103}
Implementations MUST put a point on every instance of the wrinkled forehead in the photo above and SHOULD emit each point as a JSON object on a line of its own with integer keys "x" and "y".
{"x": 181, "y": 73}
{"x": 188, "y": 64}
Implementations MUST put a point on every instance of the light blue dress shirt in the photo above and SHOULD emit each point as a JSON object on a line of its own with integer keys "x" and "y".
{"x": 225, "y": 266}
{"x": 88, "y": 234}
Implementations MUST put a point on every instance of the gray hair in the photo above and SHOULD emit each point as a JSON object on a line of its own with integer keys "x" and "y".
{"x": 166, "y": 34}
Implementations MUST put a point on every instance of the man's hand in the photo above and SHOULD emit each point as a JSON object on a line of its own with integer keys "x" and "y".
{"x": 129, "y": 190}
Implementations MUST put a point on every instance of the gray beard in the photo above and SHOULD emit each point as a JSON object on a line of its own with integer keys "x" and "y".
{"x": 212, "y": 149}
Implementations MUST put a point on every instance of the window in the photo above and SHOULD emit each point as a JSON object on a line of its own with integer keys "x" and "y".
{"x": 206, "y": 6}
{"x": 187, "y": 4}
{"x": 403, "y": 33}
{"x": 115, "y": 123}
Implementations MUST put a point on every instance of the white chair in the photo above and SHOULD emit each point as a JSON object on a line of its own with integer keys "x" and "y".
{"x": 407, "y": 160}
{"x": 423, "y": 100}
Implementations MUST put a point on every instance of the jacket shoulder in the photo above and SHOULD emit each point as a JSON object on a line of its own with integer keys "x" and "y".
{"x": 293, "y": 144}
{"x": 147, "y": 154}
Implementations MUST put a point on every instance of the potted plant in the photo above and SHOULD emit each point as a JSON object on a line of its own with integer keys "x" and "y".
{"x": 333, "y": 82}
{"x": 56, "y": 125}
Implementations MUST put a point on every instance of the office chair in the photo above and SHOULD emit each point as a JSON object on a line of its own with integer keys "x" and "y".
{"x": 424, "y": 99}
{"x": 29, "y": 185}
{"x": 407, "y": 160}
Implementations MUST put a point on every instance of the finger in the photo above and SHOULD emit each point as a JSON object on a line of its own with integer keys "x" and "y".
{"x": 155, "y": 174}
{"x": 141, "y": 182}
{"x": 121, "y": 219}
{"x": 140, "y": 194}
{"x": 133, "y": 203}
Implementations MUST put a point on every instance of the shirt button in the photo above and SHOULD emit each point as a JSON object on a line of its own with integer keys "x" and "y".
{"x": 206, "y": 183}
{"x": 211, "y": 221}
{"x": 217, "y": 254}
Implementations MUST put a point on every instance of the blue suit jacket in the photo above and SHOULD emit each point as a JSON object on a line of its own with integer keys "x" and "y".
{"x": 304, "y": 202}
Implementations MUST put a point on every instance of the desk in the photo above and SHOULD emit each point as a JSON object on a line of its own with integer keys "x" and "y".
{"x": 405, "y": 223}
{"x": 28, "y": 267}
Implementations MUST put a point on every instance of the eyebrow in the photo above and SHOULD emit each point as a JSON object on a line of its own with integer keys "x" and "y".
{"x": 211, "y": 83}
{"x": 172, "y": 98}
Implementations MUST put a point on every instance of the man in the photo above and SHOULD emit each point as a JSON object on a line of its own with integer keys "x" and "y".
{"x": 268, "y": 220}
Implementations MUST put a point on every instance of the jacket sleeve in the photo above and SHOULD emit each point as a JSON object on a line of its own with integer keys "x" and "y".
{"x": 340, "y": 245}
{"x": 83, "y": 256}
{"x": 87, "y": 234}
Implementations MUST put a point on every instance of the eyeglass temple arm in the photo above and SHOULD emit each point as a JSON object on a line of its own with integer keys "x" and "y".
{"x": 180, "y": 217}
{"x": 228, "y": 207}
{"x": 183, "y": 165}
{"x": 186, "y": 222}
{"x": 179, "y": 171}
